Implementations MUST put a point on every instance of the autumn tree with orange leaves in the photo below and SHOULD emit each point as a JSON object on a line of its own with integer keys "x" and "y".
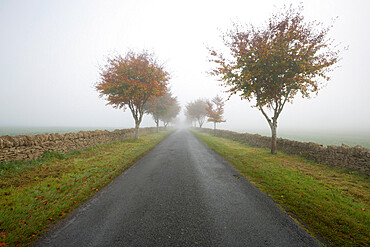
{"x": 172, "y": 111}
{"x": 273, "y": 63}
{"x": 157, "y": 107}
{"x": 130, "y": 81}
{"x": 215, "y": 111}
{"x": 164, "y": 108}
{"x": 197, "y": 111}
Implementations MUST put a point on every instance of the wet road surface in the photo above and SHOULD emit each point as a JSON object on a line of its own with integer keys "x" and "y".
{"x": 179, "y": 194}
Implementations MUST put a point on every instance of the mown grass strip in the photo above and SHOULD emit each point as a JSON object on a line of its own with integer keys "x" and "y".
{"x": 333, "y": 203}
{"x": 35, "y": 194}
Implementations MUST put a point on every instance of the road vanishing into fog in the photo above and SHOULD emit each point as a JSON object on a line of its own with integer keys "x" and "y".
{"x": 179, "y": 194}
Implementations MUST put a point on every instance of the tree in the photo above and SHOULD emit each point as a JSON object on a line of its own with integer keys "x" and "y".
{"x": 274, "y": 63}
{"x": 197, "y": 111}
{"x": 131, "y": 81}
{"x": 215, "y": 114}
{"x": 164, "y": 108}
{"x": 189, "y": 119}
{"x": 158, "y": 107}
{"x": 172, "y": 111}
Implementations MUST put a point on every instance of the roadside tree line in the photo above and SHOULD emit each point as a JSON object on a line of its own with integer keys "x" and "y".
{"x": 197, "y": 111}
{"x": 267, "y": 65}
{"x": 139, "y": 82}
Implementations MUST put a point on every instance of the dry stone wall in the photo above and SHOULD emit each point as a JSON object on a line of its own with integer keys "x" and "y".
{"x": 28, "y": 147}
{"x": 352, "y": 158}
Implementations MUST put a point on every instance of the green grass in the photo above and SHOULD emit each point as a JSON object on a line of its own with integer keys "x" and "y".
{"x": 329, "y": 202}
{"x": 36, "y": 194}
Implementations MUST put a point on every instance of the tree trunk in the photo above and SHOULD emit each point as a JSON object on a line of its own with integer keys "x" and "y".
{"x": 137, "y": 114}
{"x": 273, "y": 137}
{"x": 214, "y": 128}
{"x": 137, "y": 125}
{"x": 157, "y": 122}
{"x": 273, "y": 125}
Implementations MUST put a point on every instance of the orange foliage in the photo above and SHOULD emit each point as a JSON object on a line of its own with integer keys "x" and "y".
{"x": 132, "y": 80}
{"x": 273, "y": 63}
{"x": 216, "y": 114}
{"x": 164, "y": 108}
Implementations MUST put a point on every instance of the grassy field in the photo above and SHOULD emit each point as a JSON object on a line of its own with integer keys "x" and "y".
{"x": 329, "y": 202}
{"x": 36, "y": 194}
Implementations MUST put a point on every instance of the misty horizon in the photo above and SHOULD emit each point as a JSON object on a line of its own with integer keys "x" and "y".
{"x": 51, "y": 53}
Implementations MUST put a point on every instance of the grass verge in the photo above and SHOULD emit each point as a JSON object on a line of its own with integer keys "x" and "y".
{"x": 332, "y": 203}
{"x": 35, "y": 194}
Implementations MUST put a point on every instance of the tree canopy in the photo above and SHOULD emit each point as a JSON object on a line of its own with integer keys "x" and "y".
{"x": 215, "y": 111}
{"x": 197, "y": 111}
{"x": 130, "y": 81}
{"x": 172, "y": 112}
{"x": 273, "y": 63}
{"x": 164, "y": 108}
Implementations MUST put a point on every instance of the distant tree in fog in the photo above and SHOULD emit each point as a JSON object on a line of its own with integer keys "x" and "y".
{"x": 215, "y": 111}
{"x": 158, "y": 107}
{"x": 197, "y": 111}
{"x": 189, "y": 119}
{"x": 274, "y": 63}
{"x": 173, "y": 110}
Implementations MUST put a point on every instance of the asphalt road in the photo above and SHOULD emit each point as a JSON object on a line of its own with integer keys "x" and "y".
{"x": 179, "y": 194}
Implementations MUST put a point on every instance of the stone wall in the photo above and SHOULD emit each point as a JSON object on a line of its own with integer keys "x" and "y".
{"x": 352, "y": 158}
{"x": 28, "y": 147}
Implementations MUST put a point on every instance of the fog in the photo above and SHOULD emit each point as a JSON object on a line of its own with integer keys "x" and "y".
{"x": 51, "y": 52}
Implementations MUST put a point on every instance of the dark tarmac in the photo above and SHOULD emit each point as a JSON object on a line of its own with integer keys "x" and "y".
{"x": 179, "y": 194}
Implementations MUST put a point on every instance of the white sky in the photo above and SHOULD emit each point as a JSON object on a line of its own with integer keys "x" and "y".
{"x": 50, "y": 52}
